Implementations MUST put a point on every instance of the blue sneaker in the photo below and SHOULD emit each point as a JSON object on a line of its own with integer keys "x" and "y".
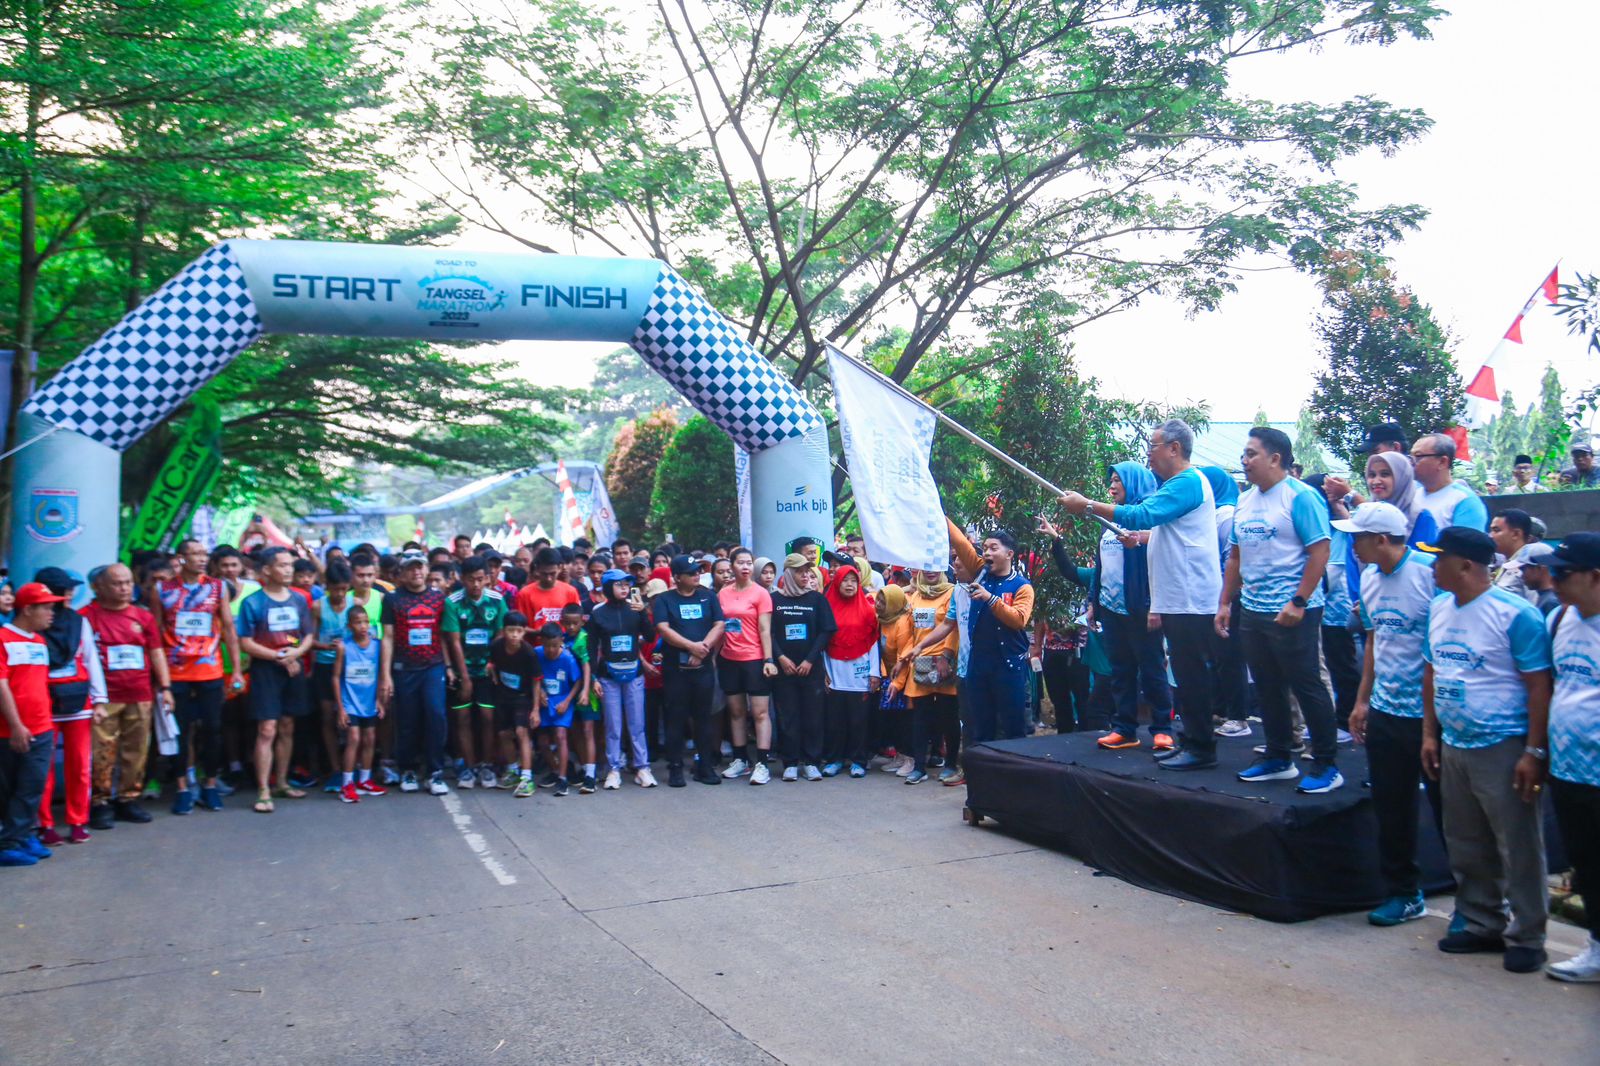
{"x": 1324, "y": 780}
{"x": 182, "y": 801}
{"x": 211, "y": 799}
{"x": 1265, "y": 769}
{"x": 33, "y": 846}
{"x": 223, "y": 788}
{"x": 1398, "y": 909}
{"x": 857, "y": 770}
{"x": 334, "y": 785}
{"x": 832, "y": 769}
{"x": 1458, "y": 924}
{"x": 17, "y": 857}
{"x": 916, "y": 777}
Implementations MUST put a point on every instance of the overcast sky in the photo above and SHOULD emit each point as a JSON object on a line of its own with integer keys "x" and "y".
{"x": 1507, "y": 172}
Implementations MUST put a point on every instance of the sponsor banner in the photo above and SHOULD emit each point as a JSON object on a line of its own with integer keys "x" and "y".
{"x": 183, "y": 484}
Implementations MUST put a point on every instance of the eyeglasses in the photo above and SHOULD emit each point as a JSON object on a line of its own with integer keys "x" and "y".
{"x": 1417, "y": 458}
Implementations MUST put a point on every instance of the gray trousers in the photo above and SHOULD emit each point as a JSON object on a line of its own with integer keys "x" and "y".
{"x": 622, "y": 706}
{"x": 1496, "y": 843}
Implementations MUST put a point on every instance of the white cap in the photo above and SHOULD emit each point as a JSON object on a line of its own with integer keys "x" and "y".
{"x": 1375, "y": 517}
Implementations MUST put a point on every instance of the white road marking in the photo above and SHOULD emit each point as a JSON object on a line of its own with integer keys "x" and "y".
{"x": 475, "y": 841}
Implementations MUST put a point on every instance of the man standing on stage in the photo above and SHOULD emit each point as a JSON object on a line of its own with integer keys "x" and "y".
{"x": 1280, "y": 550}
{"x": 1184, "y": 580}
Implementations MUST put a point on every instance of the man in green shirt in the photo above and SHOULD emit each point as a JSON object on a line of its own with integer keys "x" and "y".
{"x": 479, "y": 613}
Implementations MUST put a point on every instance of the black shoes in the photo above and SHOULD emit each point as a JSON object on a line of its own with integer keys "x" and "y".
{"x": 1188, "y": 760}
{"x": 102, "y": 817}
{"x": 1525, "y": 959}
{"x": 675, "y": 777}
{"x": 1468, "y": 943}
{"x": 130, "y": 811}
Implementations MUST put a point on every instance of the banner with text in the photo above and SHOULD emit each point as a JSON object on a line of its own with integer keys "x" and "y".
{"x": 185, "y": 481}
{"x": 887, "y": 440}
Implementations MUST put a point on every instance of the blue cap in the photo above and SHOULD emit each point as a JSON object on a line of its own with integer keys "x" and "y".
{"x": 614, "y": 575}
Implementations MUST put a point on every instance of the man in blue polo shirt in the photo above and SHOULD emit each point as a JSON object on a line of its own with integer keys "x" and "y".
{"x": 1485, "y": 704}
{"x": 1280, "y": 550}
{"x": 1397, "y": 590}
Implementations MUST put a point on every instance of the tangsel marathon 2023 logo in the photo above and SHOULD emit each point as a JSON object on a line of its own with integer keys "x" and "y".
{"x": 452, "y": 296}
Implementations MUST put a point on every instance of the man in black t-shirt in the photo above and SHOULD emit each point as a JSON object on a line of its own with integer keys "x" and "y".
{"x": 689, "y": 619}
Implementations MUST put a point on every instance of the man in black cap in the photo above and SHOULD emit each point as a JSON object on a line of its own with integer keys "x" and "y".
{"x": 1523, "y": 480}
{"x": 689, "y": 619}
{"x": 1386, "y": 437}
{"x": 1486, "y": 701}
{"x": 1583, "y": 473}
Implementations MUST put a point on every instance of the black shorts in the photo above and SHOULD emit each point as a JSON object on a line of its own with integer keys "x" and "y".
{"x": 322, "y": 682}
{"x": 512, "y": 714}
{"x": 482, "y": 696}
{"x": 363, "y": 721}
{"x": 743, "y": 678}
{"x": 274, "y": 694}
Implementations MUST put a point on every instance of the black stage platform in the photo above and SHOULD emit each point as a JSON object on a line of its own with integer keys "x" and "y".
{"x": 1202, "y": 835}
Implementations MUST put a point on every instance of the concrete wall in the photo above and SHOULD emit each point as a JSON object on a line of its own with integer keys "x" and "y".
{"x": 1562, "y": 512}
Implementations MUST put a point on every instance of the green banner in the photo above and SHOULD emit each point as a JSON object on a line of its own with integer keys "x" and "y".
{"x": 185, "y": 480}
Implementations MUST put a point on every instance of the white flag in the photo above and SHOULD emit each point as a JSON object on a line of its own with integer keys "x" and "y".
{"x": 887, "y": 440}
{"x": 603, "y": 517}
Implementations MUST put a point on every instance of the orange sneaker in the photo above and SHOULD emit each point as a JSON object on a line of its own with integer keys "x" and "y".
{"x": 1162, "y": 742}
{"x": 1114, "y": 740}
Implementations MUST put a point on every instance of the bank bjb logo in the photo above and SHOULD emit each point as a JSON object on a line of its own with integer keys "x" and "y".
{"x": 53, "y": 515}
{"x": 458, "y": 300}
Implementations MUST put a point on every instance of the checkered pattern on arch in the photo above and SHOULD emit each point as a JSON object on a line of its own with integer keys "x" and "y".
{"x": 719, "y": 372}
{"x": 142, "y": 368}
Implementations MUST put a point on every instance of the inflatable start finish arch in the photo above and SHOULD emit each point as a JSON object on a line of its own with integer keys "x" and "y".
{"x": 66, "y": 498}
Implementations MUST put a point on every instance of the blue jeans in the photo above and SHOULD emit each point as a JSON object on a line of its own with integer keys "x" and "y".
{"x": 21, "y": 784}
{"x": 1138, "y": 665}
{"x": 418, "y": 706}
{"x": 623, "y": 701}
{"x": 997, "y": 697}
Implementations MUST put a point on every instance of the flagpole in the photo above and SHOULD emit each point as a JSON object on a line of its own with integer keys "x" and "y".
{"x": 959, "y": 429}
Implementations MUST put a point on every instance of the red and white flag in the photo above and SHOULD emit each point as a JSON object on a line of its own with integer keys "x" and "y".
{"x": 511, "y": 522}
{"x": 1483, "y": 394}
{"x": 571, "y": 520}
{"x": 421, "y": 536}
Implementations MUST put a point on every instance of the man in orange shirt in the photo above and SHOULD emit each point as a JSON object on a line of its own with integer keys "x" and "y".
{"x": 542, "y": 599}
{"x": 25, "y": 723}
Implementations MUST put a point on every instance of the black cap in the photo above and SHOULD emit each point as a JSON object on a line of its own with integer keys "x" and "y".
{"x": 1582, "y": 446}
{"x": 1465, "y": 542}
{"x": 1386, "y": 433}
{"x": 1521, "y": 459}
{"x": 56, "y": 579}
{"x": 682, "y": 564}
{"x": 1579, "y": 551}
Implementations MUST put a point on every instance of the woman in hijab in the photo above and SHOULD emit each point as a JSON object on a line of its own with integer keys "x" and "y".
{"x": 1338, "y": 642}
{"x": 927, "y": 672}
{"x": 766, "y": 573}
{"x": 1231, "y": 679}
{"x": 1120, "y": 602}
{"x": 802, "y": 627}
{"x": 1392, "y": 479}
{"x": 891, "y": 725}
{"x": 852, "y": 663}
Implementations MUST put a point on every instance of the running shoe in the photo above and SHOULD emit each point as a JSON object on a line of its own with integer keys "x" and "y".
{"x": 467, "y": 778}
{"x": 182, "y": 801}
{"x": 675, "y": 778}
{"x": 18, "y": 857}
{"x": 1343, "y": 737}
{"x": 936, "y": 762}
{"x": 390, "y": 778}
{"x": 79, "y": 835}
{"x": 437, "y": 787}
{"x": 813, "y": 773}
{"x": 759, "y": 774}
{"x": 1398, "y": 909}
{"x": 908, "y": 769}
{"x": 486, "y": 778}
{"x": 644, "y": 778}
{"x": 959, "y": 778}
{"x": 225, "y": 788}
{"x": 613, "y": 780}
{"x": 947, "y": 773}
{"x": 832, "y": 769}
{"x": 1264, "y": 769}
{"x": 301, "y": 778}
{"x": 586, "y": 786}
{"x": 916, "y": 777}
{"x": 561, "y": 787}
{"x": 511, "y": 778}
{"x": 211, "y": 799}
{"x": 857, "y": 770}
{"x": 1296, "y": 748}
{"x": 369, "y": 787}
{"x": 525, "y": 788}
{"x": 893, "y": 764}
{"x": 791, "y": 773}
{"x": 1162, "y": 742}
{"x": 1581, "y": 969}
{"x": 1114, "y": 741}
{"x": 348, "y": 793}
{"x": 333, "y": 786}
{"x": 408, "y": 781}
{"x": 1233, "y": 727}
{"x": 549, "y": 779}
{"x": 40, "y": 845}
{"x": 737, "y": 768}
{"x": 1324, "y": 780}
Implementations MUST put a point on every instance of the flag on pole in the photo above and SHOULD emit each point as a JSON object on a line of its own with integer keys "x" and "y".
{"x": 1483, "y": 394}
{"x": 571, "y": 520}
{"x": 603, "y": 516}
{"x": 421, "y": 536}
{"x": 888, "y": 437}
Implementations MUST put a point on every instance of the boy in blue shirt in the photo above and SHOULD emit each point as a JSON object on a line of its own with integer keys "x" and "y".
{"x": 355, "y": 696}
{"x": 564, "y": 684}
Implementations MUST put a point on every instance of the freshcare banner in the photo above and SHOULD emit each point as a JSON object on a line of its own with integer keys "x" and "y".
{"x": 185, "y": 481}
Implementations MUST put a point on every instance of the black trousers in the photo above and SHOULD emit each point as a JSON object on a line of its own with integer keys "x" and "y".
{"x": 845, "y": 726}
{"x": 653, "y": 721}
{"x": 1344, "y": 668}
{"x": 1394, "y": 762}
{"x": 687, "y": 697}
{"x": 1578, "y": 815}
{"x": 1285, "y": 659}
{"x": 198, "y": 707}
{"x": 1229, "y": 677}
{"x": 1066, "y": 681}
{"x": 1189, "y": 655}
{"x": 799, "y": 702}
{"x": 934, "y": 718}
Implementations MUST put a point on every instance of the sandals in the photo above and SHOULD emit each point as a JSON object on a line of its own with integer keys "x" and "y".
{"x": 264, "y": 803}
{"x": 289, "y": 792}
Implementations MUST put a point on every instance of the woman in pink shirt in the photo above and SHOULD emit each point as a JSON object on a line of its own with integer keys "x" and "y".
{"x": 745, "y": 662}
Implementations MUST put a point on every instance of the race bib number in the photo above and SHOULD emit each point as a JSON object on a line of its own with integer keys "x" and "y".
{"x": 732, "y": 625}
{"x": 193, "y": 624}
{"x": 861, "y": 669}
{"x": 125, "y": 657}
{"x": 477, "y": 636}
{"x": 360, "y": 673}
{"x": 794, "y": 631}
{"x": 512, "y": 681}
{"x": 282, "y": 619}
{"x": 19, "y": 653}
{"x": 552, "y": 686}
{"x": 693, "y": 612}
{"x": 922, "y": 617}
{"x": 419, "y": 638}
{"x": 1450, "y": 693}
{"x": 621, "y": 645}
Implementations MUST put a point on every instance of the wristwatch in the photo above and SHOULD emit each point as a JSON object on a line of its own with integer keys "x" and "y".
{"x": 1538, "y": 753}
{"x": 1298, "y": 600}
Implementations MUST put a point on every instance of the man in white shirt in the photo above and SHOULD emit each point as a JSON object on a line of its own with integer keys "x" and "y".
{"x": 1449, "y": 501}
{"x": 1485, "y": 704}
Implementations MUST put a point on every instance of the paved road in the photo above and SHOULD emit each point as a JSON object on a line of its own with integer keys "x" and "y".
{"x": 801, "y": 923}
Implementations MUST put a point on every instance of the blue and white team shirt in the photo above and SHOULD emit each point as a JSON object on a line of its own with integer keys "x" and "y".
{"x": 1335, "y": 586}
{"x": 1272, "y": 531}
{"x": 1395, "y": 610}
{"x": 1456, "y": 505}
{"x": 1182, "y": 518}
{"x": 1575, "y": 706}
{"x": 1479, "y": 652}
{"x": 1113, "y": 568}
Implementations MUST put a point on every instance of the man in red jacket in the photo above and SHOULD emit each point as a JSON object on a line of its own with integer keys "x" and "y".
{"x": 25, "y": 723}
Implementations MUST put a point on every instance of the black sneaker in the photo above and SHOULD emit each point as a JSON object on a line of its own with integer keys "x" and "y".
{"x": 130, "y": 811}
{"x": 1465, "y": 942}
{"x": 675, "y": 777}
{"x": 561, "y": 786}
{"x": 1188, "y": 760}
{"x": 1525, "y": 959}
{"x": 101, "y": 817}
{"x": 549, "y": 779}
{"x": 586, "y": 786}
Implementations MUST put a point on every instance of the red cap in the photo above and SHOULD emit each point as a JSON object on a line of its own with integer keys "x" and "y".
{"x": 34, "y": 593}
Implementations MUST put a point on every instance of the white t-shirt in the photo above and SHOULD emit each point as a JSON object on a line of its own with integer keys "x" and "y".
{"x": 851, "y": 675}
{"x": 1112, "y": 571}
{"x": 1575, "y": 707}
{"x": 1395, "y": 610}
{"x": 1479, "y": 653}
{"x": 1272, "y": 531}
{"x": 1184, "y": 578}
{"x": 1456, "y": 505}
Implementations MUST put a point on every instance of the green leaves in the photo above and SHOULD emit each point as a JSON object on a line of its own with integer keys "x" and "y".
{"x": 695, "y": 498}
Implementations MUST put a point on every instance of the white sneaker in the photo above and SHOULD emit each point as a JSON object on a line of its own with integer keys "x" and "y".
{"x": 390, "y": 778}
{"x": 486, "y": 778}
{"x": 437, "y": 787}
{"x": 737, "y": 768}
{"x": 467, "y": 778}
{"x": 1581, "y": 969}
{"x": 408, "y": 781}
{"x": 613, "y": 781}
{"x": 760, "y": 775}
{"x": 644, "y": 778}
{"x": 905, "y": 771}
{"x": 813, "y": 773}
{"x": 1344, "y": 737}
{"x": 1233, "y": 728}
{"x": 894, "y": 765}
{"x": 791, "y": 773}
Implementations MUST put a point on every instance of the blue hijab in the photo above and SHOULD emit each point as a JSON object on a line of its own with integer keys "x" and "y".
{"x": 1223, "y": 487}
{"x": 1138, "y": 482}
